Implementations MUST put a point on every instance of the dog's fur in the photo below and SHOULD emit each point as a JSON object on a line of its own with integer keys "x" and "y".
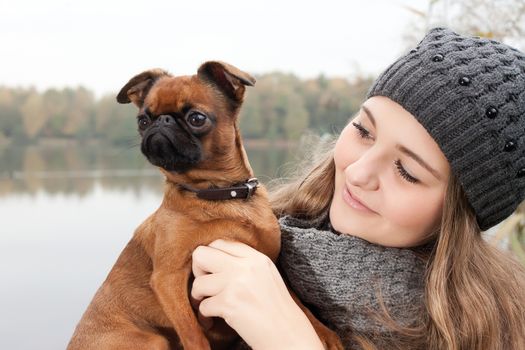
{"x": 144, "y": 303}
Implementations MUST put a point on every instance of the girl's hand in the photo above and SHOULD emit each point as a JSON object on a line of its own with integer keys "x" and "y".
{"x": 241, "y": 285}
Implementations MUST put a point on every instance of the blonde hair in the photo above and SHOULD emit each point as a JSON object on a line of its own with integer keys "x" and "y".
{"x": 474, "y": 293}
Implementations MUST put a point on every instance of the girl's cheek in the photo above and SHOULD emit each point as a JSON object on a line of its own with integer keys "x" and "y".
{"x": 425, "y": 205}
{"x": 346, "y": 150}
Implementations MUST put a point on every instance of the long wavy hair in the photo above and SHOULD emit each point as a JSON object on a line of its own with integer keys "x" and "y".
{"x": 474, "y": 292}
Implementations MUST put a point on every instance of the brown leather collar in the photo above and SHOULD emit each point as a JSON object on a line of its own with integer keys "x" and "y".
{"x": 242, "y": 190}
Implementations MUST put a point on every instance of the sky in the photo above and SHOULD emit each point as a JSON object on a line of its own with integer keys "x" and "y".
{"x": 101, "y": 44}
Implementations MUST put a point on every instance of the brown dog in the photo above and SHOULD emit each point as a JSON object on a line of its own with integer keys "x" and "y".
{"x": 190, "y": 131}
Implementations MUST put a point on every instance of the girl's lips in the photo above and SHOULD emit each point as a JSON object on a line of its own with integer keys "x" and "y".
{"x": 354, "y": 203}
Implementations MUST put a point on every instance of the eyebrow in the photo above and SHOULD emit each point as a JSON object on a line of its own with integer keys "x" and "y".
{"x": 402, "y": 148}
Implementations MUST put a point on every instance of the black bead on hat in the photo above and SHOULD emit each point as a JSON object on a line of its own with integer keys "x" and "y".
{"x": 469, "y": 94}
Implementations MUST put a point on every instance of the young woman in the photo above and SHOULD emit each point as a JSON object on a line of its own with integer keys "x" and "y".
{"x": 381, "y": 237}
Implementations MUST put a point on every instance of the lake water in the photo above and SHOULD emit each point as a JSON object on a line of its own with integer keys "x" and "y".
{"x": 66, "y": 213}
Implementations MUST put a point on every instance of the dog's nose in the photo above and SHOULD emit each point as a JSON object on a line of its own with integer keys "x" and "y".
{"x": 166, "y": 119}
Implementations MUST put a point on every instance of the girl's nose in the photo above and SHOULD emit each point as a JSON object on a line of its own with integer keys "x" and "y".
{"x": 364, "y": 172}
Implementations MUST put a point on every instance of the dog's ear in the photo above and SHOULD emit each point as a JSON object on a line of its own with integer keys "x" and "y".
{"x": 228, "y": 78}
{"x": 138, "y": 87}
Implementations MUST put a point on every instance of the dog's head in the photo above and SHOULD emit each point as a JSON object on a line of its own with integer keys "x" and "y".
{"x": 189, "y": 122}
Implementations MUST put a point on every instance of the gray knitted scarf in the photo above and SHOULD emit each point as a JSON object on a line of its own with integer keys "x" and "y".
{"x": 339, "y": 277}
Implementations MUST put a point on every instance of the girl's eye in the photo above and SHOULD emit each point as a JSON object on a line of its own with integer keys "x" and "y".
{"x": 362, "y": 131}
{"x": 404, "y": 173}
{"x": 366, "y": 135}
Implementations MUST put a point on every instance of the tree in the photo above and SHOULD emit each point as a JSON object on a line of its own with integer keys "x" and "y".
{"x": 296, "y": 119}
{"x": 502, "y": 20}
{"x": 10, "y": 117}
{"x": 251, "y": 119}
{"x": 78, "y": 113}
{"x": 34, "y": 116}
{"x": 55, "y": 105}
{"x": 114, "y": 121}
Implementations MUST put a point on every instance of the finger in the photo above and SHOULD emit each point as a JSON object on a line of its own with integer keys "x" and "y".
{"x": 212, "y": 307}
{"x": 234, "y": 248}
{"x": 208, "y": 285}
{"x": 209, "y": 260}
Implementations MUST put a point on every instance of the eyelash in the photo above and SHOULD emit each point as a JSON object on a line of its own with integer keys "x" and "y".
{"x": 362, "y": 131}
{"x": 404, "y": 173}
{"x": 365, "y": 134}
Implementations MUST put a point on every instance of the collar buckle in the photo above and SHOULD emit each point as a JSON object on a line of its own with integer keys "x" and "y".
{"x": 251, "y": 184}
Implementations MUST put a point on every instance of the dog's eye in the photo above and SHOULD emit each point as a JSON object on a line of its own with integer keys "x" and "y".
{"x": 197, "y": 119}
{"x": 143, "y": 121}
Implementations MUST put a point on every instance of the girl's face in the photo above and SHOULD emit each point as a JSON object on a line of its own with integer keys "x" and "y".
{"x": 390, "y": 177}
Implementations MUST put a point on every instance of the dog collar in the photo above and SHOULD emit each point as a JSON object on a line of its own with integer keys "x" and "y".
{"x": 243, "y": 190}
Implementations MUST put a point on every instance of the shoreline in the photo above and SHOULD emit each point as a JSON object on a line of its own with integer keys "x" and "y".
{"x": 67, "y": 142}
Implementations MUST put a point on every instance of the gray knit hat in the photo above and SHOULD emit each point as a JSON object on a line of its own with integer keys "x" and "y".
{"x": 469, "y": 94}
